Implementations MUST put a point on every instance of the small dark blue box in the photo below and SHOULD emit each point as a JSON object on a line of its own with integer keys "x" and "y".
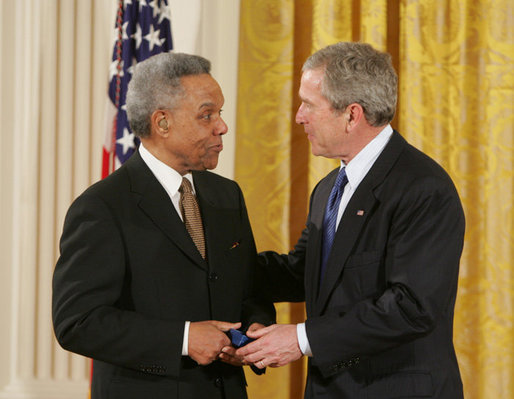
{"x": 238, "y": 338}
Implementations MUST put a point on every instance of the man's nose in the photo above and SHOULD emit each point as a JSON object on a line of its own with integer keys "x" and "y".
{"x": 222, "y": 127}
{"x": 299, "y": 115}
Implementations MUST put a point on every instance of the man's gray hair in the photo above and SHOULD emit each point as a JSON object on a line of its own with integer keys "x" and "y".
{"x": 156, "y": 85}
{"x": 357, "y": 73}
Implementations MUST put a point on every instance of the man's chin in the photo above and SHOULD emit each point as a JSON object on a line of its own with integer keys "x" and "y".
{"x": 211, "y": 164}
{"x": 315, "y": 151}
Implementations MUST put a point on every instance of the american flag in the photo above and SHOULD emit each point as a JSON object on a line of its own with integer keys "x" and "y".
{"x": 143, "y": 29}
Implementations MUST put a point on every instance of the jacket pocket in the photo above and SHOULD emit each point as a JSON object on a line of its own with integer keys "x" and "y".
{"x": 363, "y": 259}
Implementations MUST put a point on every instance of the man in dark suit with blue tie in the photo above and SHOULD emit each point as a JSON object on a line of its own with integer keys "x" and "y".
{"x": 378, "y": 261}
{"x": 157, "y": 259}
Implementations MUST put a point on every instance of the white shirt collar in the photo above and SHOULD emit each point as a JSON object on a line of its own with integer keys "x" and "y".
{"x": 360, "y": 165}
{"x": 169, "y": 178}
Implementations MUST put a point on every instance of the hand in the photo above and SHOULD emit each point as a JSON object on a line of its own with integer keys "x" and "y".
{"x": 276, "y": 345}
{"x": 207, "y": 338}
{"x": 228, "y": 353}
{"x": 254, "y": 327}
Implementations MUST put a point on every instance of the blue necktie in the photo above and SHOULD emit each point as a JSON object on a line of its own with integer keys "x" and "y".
{"x": 330, "y": 218}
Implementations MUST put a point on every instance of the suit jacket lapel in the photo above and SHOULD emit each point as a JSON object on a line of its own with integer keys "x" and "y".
{"x": 347, "y": 233}
{"x": 313, "y": 262}
{"x": 212, "y": 225}
{"x": 156, "y": 204}
{"x": 358, "y": 210}
{"x": 220, "y": 227}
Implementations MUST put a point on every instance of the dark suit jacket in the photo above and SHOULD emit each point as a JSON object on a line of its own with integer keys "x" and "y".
{"x": 381, "y": 323}
{"x": 129, "y": 276}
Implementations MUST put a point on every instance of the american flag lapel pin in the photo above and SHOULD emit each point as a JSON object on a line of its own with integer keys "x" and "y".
{"x": 360, "y": 212}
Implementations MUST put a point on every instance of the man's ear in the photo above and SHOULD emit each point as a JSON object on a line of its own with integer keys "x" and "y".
{"x": 163, "y": 124}
{"x": 159, "y": 122}
{"x": 353, "y": 114}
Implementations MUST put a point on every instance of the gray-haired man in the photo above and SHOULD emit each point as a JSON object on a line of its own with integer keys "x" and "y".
{"x": 378, "y": 261}
{"x": 157, "y": 259}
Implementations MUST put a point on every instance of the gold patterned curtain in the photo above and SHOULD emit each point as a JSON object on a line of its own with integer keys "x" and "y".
{"x": 455, "y": 61}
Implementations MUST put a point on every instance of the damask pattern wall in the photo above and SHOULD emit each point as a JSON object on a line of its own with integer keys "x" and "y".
{"x": 454, "y": 60}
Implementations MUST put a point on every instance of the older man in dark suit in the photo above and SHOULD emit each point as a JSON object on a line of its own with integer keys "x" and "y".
{"x": 157, "y": 259}
{"x": 378, "y": 261}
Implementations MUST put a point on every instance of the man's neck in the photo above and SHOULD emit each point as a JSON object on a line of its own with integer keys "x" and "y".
{"x": 362, "y": 137}
{"x": 158, "y": 152}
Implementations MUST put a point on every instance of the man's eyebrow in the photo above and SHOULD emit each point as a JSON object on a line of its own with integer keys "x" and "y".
{"x": 303, "y": 99}
{"x": 207, "y": 105}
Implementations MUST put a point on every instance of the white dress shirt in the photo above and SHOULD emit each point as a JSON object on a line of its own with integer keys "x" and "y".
{"x": 356, "y": 170}
{"x": 171, "y": 180}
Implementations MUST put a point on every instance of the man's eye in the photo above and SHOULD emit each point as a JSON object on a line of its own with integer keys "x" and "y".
{"x": 207, "y": 117}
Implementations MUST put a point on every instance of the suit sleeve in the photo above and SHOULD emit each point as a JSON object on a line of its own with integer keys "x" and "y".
{"x": 421, "y": 270}
{"x": 282, "y": 276}
{"x": 88, "y": 283}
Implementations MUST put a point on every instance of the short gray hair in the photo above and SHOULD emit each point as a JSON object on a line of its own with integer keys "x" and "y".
{"x": 156, "y": 85}
{"x": 357, "y": 73}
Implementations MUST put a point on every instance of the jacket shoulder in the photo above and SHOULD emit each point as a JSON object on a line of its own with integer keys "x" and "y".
{"x": 414, "y": 166}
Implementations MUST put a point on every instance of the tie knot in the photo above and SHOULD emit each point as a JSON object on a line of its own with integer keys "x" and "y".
{"x": 185, "y": 187}
{"x": 341, "y": 178}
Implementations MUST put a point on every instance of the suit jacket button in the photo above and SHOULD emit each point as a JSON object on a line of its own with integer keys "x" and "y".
{"x": 213, "y": 276}
{"x": 218, "y": 382}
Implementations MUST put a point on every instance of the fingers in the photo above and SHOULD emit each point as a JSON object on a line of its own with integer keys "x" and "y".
{"x": 206, "y": 341}
{"x": 261, "y": 365}
{"x": 224, "y": 325}
{"x": 228, "y": 355}
{"x": 255, "y": 327}
{"x": 251, "y": 352}
{"x": 277, "y": 346}
{"x": 228, "y": 351}
{"x": 257, "y": 333}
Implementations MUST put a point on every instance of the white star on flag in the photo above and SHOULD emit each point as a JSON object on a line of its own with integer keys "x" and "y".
{"x": 124, "y": 35}
{"x": 127, "y": 141}
{"x": 165, "y": 12}
{"x": 138, "y": 36}
{"x": 155, "y": 7}
{"x": 131, "y": 68}
{"x": 113, "y": 69}
{"x": 142, "y": 3}
{"x": 153, "y": 38}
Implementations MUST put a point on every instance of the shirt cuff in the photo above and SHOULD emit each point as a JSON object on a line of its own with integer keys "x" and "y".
{"x": 303, "y": 342}
{"x": 185, "y": 349}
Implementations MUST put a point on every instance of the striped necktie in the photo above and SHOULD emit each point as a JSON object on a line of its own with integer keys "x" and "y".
{"x": 191, "y": 214}
{"x": 330, "y": 218}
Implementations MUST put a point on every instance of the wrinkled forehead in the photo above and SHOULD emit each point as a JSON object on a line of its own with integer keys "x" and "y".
{"x": 202, "y": 89}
